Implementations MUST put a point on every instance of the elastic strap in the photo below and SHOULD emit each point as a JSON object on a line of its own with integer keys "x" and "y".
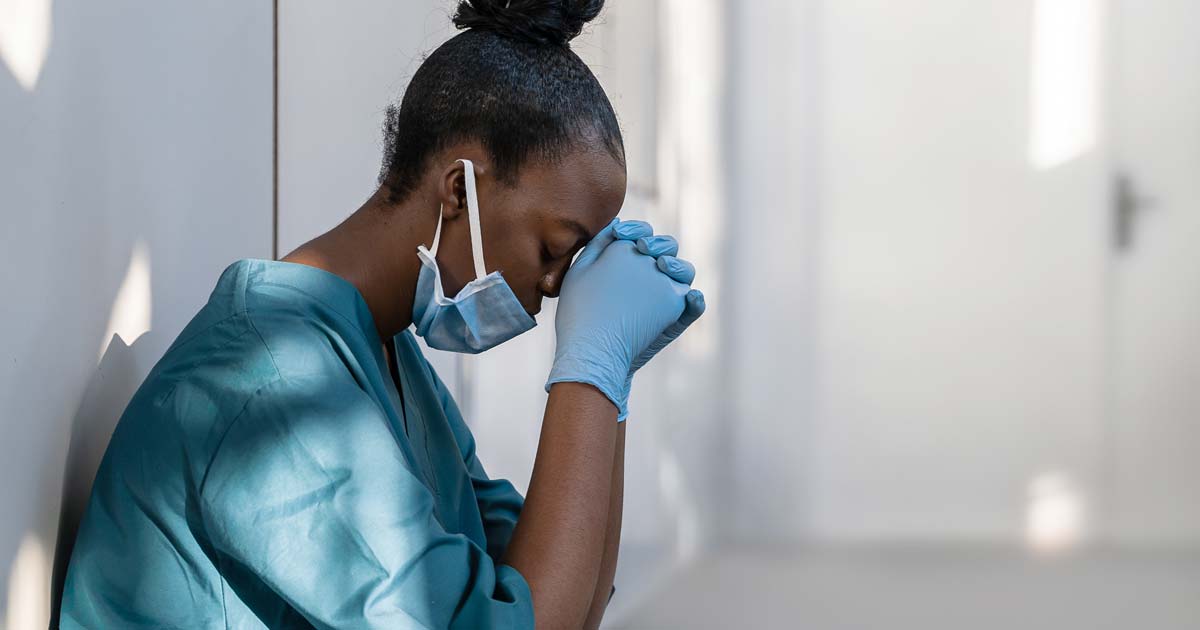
{"x": 472, "y": 220}
{"x": 437, "y": 234}
{"x": 473, "y": 216}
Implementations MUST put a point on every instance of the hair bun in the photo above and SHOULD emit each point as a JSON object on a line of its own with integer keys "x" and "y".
{"x": 540, "y": 22}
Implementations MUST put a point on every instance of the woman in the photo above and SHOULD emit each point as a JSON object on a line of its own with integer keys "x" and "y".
{"x": 294, "y": 461}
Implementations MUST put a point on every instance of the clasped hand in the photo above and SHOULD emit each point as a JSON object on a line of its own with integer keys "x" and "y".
{"x": 626, "y": 297}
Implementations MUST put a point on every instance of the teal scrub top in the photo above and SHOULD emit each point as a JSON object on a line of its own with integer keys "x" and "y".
{"x": 269, "y": 474}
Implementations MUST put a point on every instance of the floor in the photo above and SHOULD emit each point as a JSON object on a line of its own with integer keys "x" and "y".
{"x": 927, "y": 589}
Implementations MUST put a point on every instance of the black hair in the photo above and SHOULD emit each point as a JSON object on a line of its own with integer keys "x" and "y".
{"x": 509, "y": 80}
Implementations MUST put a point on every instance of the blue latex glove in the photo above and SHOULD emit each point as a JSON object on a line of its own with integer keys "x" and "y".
{"x": 618, "y": 307}
{"x": 664, "y": 249}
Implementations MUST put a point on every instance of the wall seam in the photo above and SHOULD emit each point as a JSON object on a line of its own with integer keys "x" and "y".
{"x": 275, "y": 130}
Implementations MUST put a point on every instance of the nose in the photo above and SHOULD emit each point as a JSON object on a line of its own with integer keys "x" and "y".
{"x": 551, "y": 283}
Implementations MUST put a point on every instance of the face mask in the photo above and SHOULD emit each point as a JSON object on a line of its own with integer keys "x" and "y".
{"x": 484, "y": 314}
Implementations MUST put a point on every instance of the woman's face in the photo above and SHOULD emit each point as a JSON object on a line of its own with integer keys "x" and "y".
{"x": 532, "y": 231}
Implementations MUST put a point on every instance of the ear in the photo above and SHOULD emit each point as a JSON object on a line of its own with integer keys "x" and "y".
{"x": 452, "y": 191}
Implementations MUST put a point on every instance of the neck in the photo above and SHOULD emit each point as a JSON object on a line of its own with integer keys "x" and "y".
{"x": 375, "y": 249}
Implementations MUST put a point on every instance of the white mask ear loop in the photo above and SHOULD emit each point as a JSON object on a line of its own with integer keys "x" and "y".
{"x": 437, "y": 234}
{"x": 473, "y": 216}
{"x": 472, "y": 220}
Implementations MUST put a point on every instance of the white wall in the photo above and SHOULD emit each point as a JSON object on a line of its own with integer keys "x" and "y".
{"x": 961, "y": 308}
{"x": 1156, "y": 281}
{"x": 340, "y": 65}
{"x": 135, "y": 165}
{"x": 919, "y": 335}
{"x": 931, "y": 339}
{"x": 772, "y": 204}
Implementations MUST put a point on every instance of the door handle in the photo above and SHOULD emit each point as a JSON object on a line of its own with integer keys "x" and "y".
{"x": 1126, "y": 204}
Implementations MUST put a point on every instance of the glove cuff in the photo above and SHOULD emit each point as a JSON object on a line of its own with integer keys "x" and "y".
{"x": 578, "y": 370}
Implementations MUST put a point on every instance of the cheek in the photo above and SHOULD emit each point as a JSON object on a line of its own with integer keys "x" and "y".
{"x": 533, "y": 270}
{"x": 517, "y": 253}
{"x": 523, "y": 271}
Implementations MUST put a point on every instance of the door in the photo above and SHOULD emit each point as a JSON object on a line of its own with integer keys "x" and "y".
{"x": 1155, "y": 116}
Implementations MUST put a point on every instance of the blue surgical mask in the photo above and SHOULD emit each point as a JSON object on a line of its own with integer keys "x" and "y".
{"x": 484, "y": 314}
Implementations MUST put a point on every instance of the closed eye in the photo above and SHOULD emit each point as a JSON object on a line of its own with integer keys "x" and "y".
{"x": 574, "y": 251}
{"x": 551, "y": 254}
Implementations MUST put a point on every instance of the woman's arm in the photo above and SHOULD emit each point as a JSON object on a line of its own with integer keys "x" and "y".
{"x": 612, "y": 537}
{"x": 621, "y": 302}
{"x": 560, "y": 539}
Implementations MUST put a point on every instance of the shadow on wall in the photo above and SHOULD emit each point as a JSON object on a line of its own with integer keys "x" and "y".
{"x": 66, "y": 248}
{"x": 131, "y": 131}
{"x": 113, "y": 384}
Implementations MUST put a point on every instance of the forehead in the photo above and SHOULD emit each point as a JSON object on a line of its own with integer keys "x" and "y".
{"x": 586, "y": 187}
